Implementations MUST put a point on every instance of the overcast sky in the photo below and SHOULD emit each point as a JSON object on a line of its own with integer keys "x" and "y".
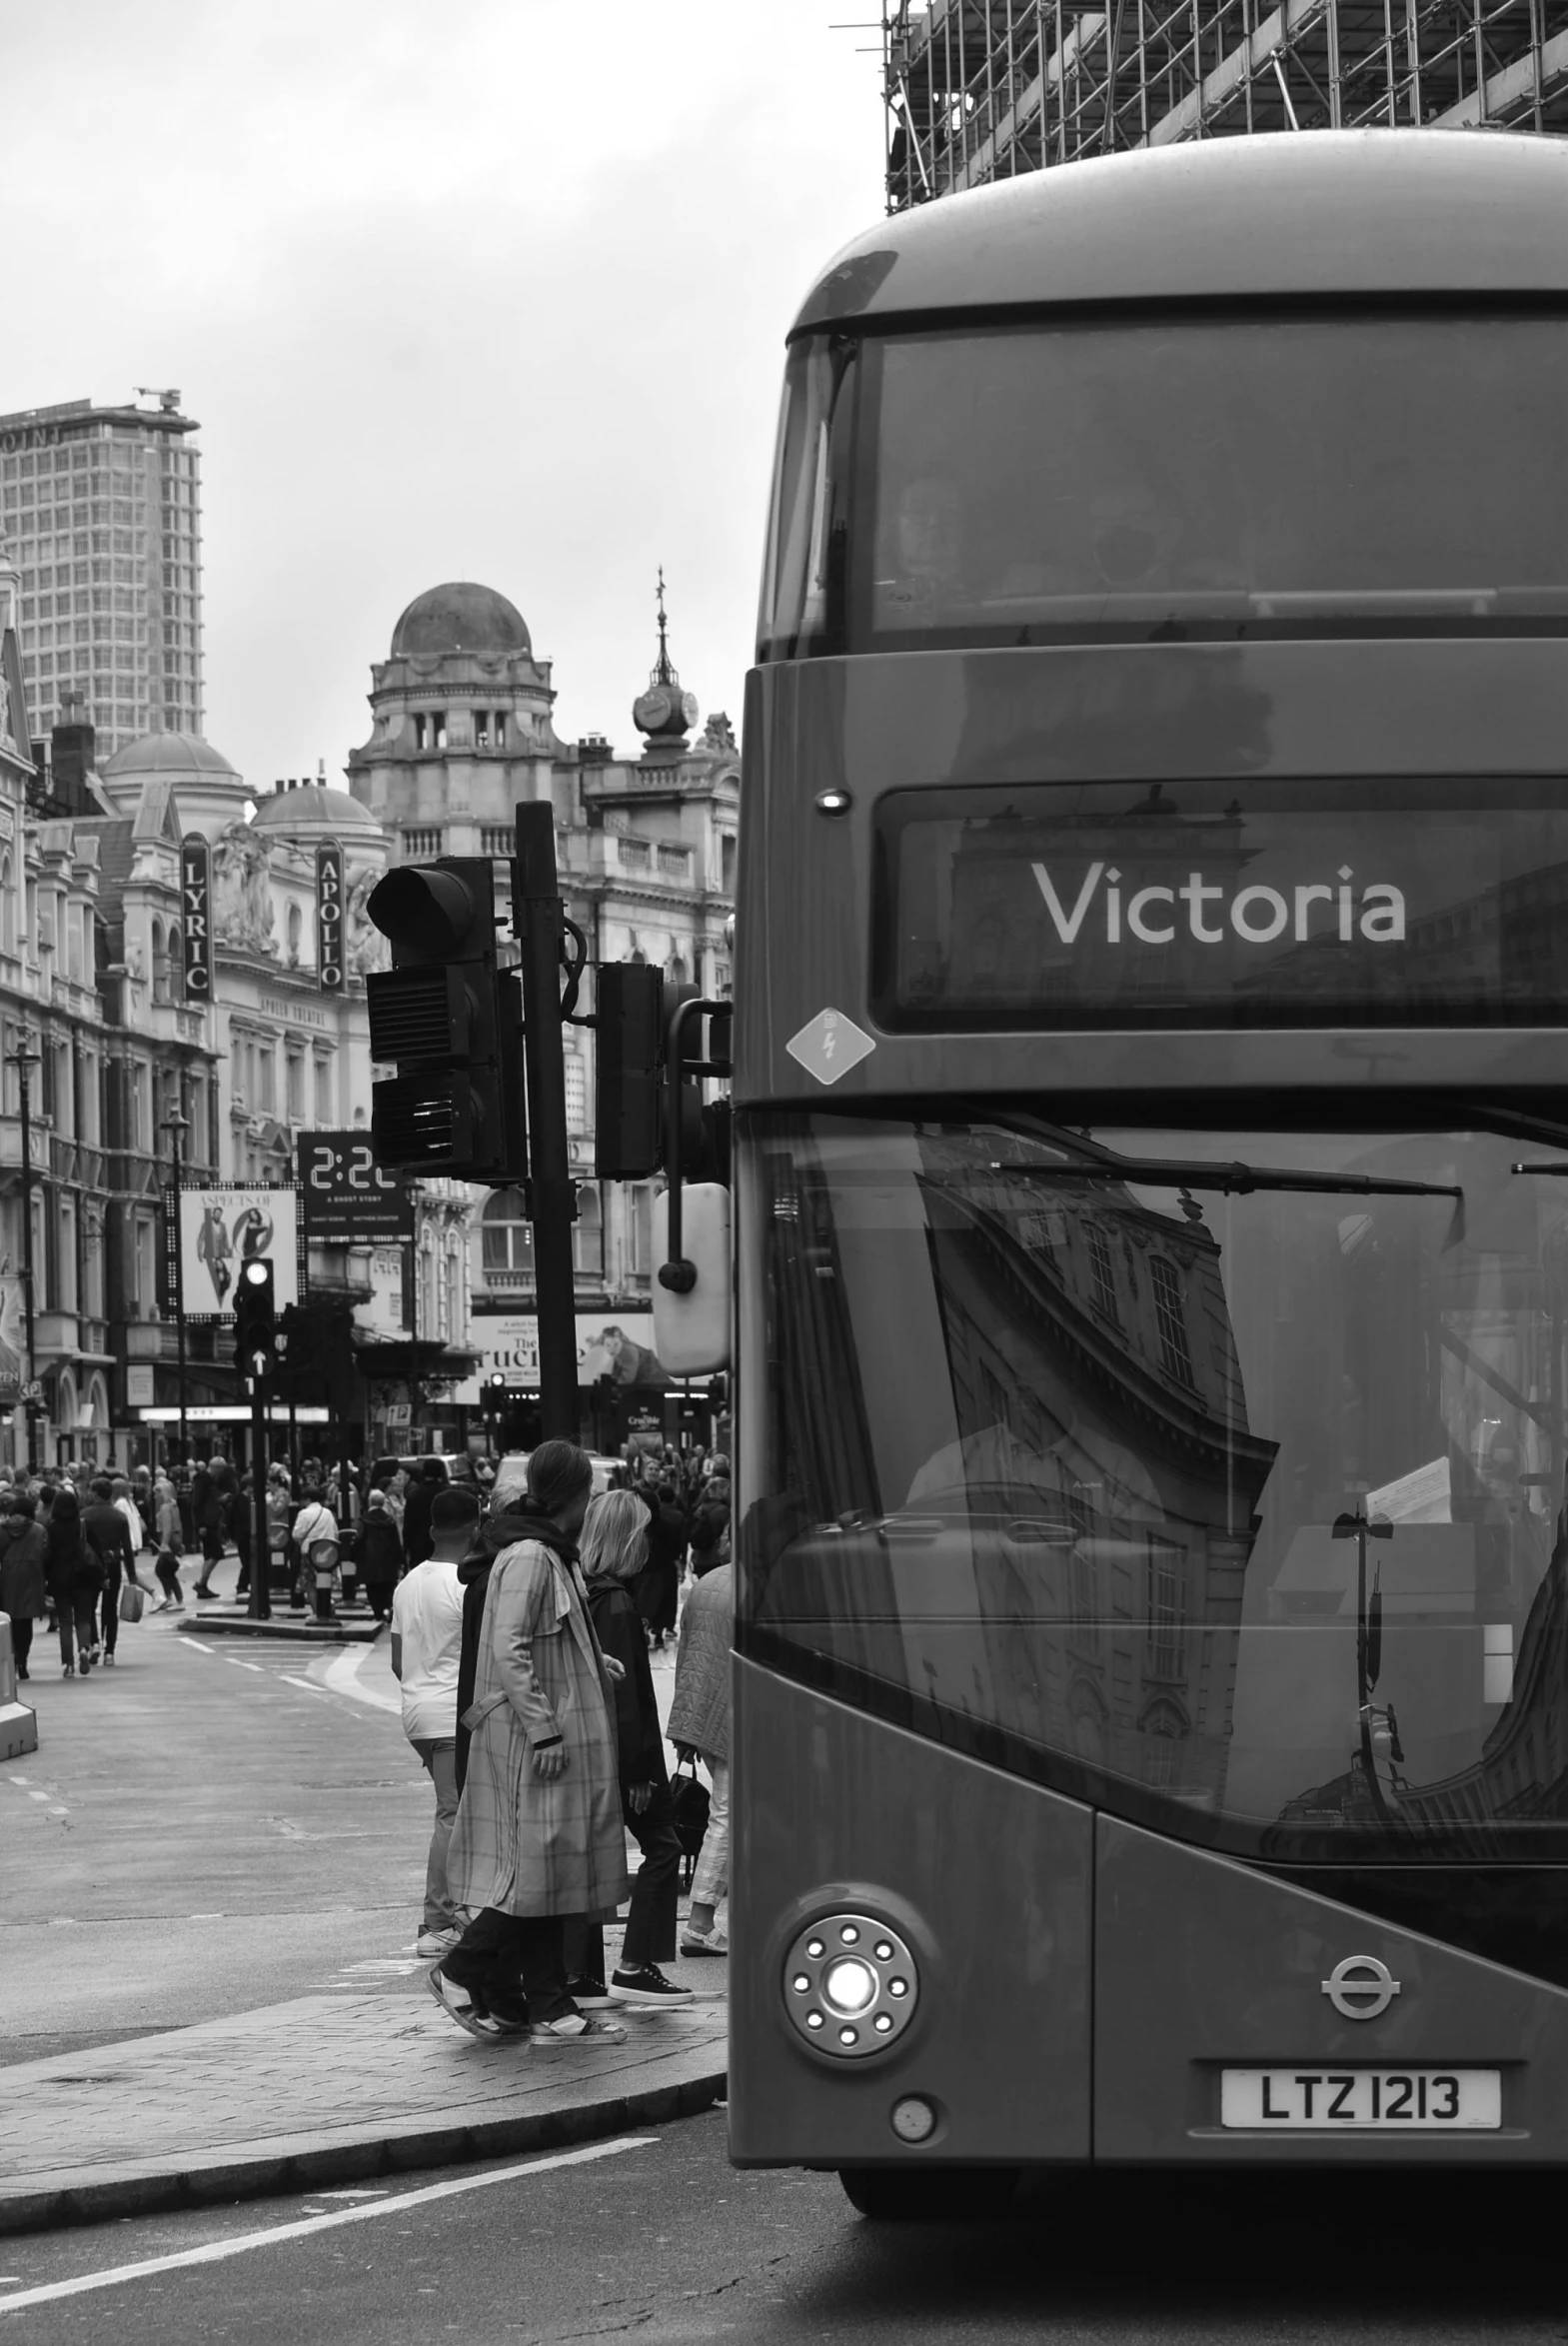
{"x": 483, "y": 289}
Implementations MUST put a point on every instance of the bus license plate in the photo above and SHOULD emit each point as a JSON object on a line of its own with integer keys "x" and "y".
{"x": 1362, "y": 2100}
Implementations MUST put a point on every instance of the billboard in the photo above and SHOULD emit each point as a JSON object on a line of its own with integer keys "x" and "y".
{"x": 196, "y": 916}
{"x": 616, "y": 1344}
{"x": 225, "y": 1224}
{"x": 345, "y": 1198}
{"x": 329, "y": 917}
{"x": 13, "y": 1338}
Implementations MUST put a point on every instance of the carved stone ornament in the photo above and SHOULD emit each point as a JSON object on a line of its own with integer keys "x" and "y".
{"x": 242, "y": 893}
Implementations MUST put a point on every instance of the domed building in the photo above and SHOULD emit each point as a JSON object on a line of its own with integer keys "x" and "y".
{"x": 210, "y": 792}
{"x": 462, "y": 733}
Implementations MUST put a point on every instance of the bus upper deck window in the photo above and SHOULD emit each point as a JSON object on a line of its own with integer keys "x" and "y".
{"x": 803, "y": 569}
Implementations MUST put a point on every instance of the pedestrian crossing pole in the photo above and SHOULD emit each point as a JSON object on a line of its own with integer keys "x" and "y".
{"x": 260, "y": 1605}
{"x": 540, "y": 925}
{"x": 256, "y": 1357}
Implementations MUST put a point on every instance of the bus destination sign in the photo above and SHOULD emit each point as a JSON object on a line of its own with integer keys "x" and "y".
{"x": 1223, "y": 905}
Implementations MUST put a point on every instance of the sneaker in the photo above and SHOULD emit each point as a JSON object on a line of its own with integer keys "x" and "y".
{"x": 211, "y": 1593}
{"x": 590, "y": 1995}
{"x": 69, "y": 1670}
{"x": 460, "y": 2006}
{"x": 84, "y": 1665}
{"x": 704, "y": 1942}
{"x": 577, "y": 2029}
{"x": 648, "y": 1988}
{"x": 108, "y": 1661}
{"x": 439, "y": 1940}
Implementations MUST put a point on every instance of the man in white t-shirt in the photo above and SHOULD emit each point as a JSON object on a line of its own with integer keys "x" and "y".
{"x": 427, "y": 1646}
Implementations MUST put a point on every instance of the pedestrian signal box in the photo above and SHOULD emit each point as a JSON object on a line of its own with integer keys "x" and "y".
{"x": 254, "y": 1319}
{"x": 449, "y": 1019}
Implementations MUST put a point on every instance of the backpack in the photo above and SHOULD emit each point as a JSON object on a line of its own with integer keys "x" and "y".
{"x": 690, "y": 1803}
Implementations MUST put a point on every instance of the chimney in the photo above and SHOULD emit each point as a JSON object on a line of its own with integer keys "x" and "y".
{"x": 71, "y": 755}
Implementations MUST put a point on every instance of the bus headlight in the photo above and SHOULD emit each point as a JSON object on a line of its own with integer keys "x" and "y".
{"x": 849, "y": 1985}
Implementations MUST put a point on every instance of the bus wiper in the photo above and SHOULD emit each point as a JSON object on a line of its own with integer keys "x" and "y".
{"x": 1233, "y": 1181}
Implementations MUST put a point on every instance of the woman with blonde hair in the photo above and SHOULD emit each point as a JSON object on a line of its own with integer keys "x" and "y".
{"x": 613, "y": 1552}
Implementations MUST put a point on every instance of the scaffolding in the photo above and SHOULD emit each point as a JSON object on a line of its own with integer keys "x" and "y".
{"x": 978, "y": 90}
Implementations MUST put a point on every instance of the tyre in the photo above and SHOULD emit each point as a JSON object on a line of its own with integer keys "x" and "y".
{"x": 929, "y": 2194}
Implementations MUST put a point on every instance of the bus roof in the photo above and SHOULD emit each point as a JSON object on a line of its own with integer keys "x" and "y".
{"x": 1292, "y": 215}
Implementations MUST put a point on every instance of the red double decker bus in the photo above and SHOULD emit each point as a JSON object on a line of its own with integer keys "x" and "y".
{"x": 1151, "y": 1168}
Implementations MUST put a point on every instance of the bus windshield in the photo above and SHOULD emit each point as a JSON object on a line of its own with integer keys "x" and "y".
{"x": 1258, "y": 475}
{"x": 1238, "y": 1510}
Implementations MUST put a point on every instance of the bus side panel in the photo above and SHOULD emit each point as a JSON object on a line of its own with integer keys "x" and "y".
{"x": 1203, "y": 1964}
{"x": 990, "y": 1880}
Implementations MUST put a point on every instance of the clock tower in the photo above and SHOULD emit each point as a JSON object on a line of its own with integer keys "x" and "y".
{"x": 664, "y": 711}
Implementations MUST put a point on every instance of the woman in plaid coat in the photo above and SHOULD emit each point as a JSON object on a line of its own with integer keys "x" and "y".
{"x": 539, "y": 1833}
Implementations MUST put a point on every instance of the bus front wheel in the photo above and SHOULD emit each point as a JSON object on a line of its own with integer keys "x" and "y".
{"x": 927, "y": 2194}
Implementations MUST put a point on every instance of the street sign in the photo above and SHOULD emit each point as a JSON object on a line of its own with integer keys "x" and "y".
{"x": 398, "y": 1413}
{"x": 348, "y": 1199}
{"x": 33, "y": 1389}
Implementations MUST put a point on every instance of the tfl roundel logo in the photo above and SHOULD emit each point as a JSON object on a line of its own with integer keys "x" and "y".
{"x": 1360, "y": 1987}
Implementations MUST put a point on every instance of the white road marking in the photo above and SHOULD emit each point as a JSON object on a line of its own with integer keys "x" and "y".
{"x": 303, "y": 1686}
{"x": 343, "y": 1676}
{"x": 244, "y": 1665}
{"x": 195, "y": 1645}
{"x": 217, "y": 2250}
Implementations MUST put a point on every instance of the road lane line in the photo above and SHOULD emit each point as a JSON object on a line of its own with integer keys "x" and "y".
{"x": 195, "y": 1644}
{"x": 244, "y": 1665}
{"x": 342, "y": 1676}
{"x": 217, "y": 2250}
{"x": 303, "y": 1686}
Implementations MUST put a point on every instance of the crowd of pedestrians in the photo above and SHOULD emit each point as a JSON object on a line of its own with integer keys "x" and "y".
{"x": 522, "y": 1618}
{"x": 522, "y": 1645}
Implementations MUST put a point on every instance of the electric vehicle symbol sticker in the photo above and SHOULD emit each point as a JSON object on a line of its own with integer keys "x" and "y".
{"x": 828, "y": 1046}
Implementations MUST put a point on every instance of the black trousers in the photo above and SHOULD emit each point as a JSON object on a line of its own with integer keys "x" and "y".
{"x": 650, "y": 1925}
{"x": 109, "y": 1605}
{"x": 506, "y": 1950}
{"x": 21, "y": 1644}
{"x": 78, "y": 1621}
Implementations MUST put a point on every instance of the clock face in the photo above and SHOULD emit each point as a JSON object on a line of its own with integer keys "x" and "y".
{"x": 652, "y": 708}
{"x": 689, "y": 706}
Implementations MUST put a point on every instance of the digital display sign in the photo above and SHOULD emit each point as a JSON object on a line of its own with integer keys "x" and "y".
{"x": 1222, "y": 906}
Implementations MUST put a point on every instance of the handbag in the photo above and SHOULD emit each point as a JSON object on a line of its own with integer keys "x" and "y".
{"x": 690, "y": 1803}
{"x": 133, "y": 1601}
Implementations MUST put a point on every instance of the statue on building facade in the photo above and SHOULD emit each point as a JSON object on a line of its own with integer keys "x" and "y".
{"x": 241, "y": 894}
{"x": 718, "y": 733}
{"x": 368, "y": 948}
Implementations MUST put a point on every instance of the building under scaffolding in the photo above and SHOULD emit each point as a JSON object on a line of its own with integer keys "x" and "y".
{"x": 983, "y": 89}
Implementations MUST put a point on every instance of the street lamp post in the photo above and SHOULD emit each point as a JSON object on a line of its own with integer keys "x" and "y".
{"x": 24, "y": 1059}
{"x": 174, "y": 1124}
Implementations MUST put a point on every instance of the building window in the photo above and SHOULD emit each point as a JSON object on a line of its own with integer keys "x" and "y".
{"x": 727, "y": 862}
{"x": 507, "y": 1242}
{"x": 419, "y": 733}
{"x": 1165, "y": 1610}
{"x": 438, "y": 727}
{"x": 163, "y": 976}
{"x": 577, "y": 1093}
{"x": 269, "y": 1096}
{"x": 145, "y": 1299}
{"x": 1103, "y": 1278}
{"x": 65, "y": 1283}
{"x": 481, "y": 729}
{"x": 587, "y": 1235}
{"x": 136, "y": 1136}
{"x": 1174, "y": 1352}
{"x": 323, "y": 1091}
{"x": 296, "y": 1083}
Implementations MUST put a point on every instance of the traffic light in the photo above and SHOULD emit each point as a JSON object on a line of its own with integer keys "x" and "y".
{"x": 254, "y": 1319}
{"x": 632, "y": 1012}
{"x": 628, "y": 1083}
{"x": 451, "y": 1020}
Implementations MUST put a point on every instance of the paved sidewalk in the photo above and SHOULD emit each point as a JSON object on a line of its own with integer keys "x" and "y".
{"x": 325, "y": 2088}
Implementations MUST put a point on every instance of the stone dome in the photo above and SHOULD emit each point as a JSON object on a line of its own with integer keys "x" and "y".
{"x": 459, "y": 617}
{"x": 313, "y": 807}
{"x": 169, "y": 753}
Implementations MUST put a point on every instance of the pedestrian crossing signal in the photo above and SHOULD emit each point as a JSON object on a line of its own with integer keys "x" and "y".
{"x": 254, "y": 1319}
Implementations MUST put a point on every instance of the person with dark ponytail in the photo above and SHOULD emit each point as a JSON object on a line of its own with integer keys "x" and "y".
{"x": 539, "y": 1834}
{"x": 74, "y": 1577}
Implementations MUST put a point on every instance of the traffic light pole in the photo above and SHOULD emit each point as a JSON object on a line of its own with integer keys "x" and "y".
{"x": 260, "y": 1605}
{"x": 538, "y": 920}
